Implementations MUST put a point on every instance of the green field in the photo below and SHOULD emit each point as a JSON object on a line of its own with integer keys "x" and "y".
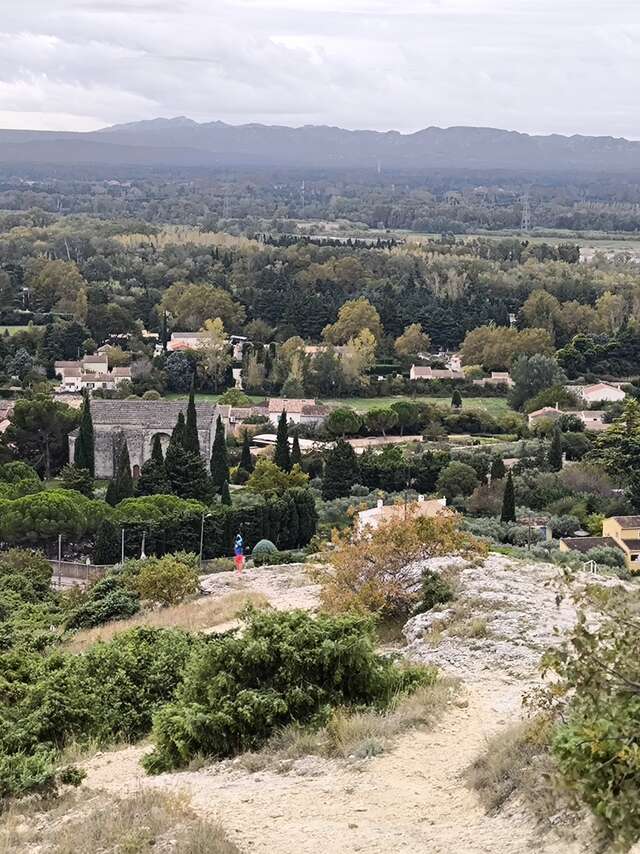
{"x": 13, "y": 329}
{"x": 494, "y": 405}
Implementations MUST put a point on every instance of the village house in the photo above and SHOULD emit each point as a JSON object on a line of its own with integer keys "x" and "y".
{"x": 420, "y": 372}
{"x": 382, "y": 512}
{"x": 91, "y": 372}
{"x": 622, "y": 532}
{"x": 496, "y": 378}
{"x": 592, "y": 419}
{"x": 598, "y": 392}
{"x": 195, "y": 340}
{"x": 300, "y": 411}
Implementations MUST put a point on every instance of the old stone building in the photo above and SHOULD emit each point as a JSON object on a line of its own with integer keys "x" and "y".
{"x": 139, "y": 421}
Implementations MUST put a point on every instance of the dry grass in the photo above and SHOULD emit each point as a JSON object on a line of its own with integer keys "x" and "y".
{"x": 517, "y": 762}
{"x": 197, "y": 615}
{"x": 99, "y": 823}
{"x": 355, "y": 735}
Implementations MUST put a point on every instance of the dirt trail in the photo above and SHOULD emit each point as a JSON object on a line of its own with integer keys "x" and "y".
{"x": 411, "y": 799}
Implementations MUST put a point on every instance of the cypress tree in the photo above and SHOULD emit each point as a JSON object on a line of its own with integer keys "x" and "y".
{"x": 219, "y": 457}
{"x": 456, "y": 399}
{"x": 508, "y": 513}
{"x": 191, "y": 441}
{"x": 111, "y": 495}
{"x": 282, "y": 456}
{"x": 83, "y": 454}
{"x": 108, "y": 544}
{"x": 156, "y": 450}
{"x": 178, "y": 433}
{"x": 187, "y": 475}
{"x": 497, "y": 469}
{"x": 246, "y": 460}
{"x": 341, "y": 471}
{"x": 153, "y": 479}
{"x": 123, "y": 479}
{"x": 296, "y": 453}
{"x": 554, "y": 457}
{"x": 225, "y": 495}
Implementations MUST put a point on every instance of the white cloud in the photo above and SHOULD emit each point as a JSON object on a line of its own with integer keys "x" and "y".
{"x": 534, "y": 65}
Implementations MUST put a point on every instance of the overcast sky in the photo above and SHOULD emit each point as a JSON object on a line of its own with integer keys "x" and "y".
{"x": 569, "y": 66}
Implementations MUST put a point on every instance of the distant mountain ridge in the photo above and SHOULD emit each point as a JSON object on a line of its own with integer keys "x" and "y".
{"x": 182, "y": 141}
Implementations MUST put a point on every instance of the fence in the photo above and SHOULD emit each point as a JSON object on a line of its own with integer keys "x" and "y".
{"x": 75, "y": 573}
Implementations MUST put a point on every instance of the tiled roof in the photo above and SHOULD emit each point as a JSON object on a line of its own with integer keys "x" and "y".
{"x": 585, "y": 544}
{"x": 628, "y": 521}
{"x": 277, "y": 404}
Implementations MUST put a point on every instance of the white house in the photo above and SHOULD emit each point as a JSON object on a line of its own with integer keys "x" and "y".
{"x": 92, "y": 372}
{"x": 299, "y": 411}
{"x": 382, "y": 512}
{"x": 496, "y": 378}
{"x": 598, "y": 392}
{"x": 592, "y": 419}
{"x": 195, "y": 340}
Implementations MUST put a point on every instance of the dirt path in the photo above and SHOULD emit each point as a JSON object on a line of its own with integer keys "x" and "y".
{"x": 410, "y": 799}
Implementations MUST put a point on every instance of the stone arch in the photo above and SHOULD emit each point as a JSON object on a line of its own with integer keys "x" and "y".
{"x": 165, "y": 437}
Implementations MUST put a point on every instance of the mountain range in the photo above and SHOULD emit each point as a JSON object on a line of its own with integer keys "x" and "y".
{"x": 182, "y": 142}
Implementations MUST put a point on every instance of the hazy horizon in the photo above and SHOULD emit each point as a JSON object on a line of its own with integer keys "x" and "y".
{"x": 535, "y": 66}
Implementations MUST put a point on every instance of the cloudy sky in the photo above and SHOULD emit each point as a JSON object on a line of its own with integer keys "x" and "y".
{"x": 569, "y": 66}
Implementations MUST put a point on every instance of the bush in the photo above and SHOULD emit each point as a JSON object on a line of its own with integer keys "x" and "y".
{"x": 262, "y": 549}
{"x": 285, "y": 667}
{"x": 107, "y": 600}
{"x": 278, "y": 558}
{"x": 434, "y": 591}
{"x": 164, "y": 581}
{"x": 152, "y": 394}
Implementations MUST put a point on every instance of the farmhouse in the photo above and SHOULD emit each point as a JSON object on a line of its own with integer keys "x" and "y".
{"x": 382, "y": 512}
{"x": 598, "y": 393}
{"x": 91, "y": 372}
{"x": 419, "y": 372}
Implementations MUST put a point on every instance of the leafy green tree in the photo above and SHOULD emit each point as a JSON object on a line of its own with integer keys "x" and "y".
{"x": 533, "y": 374}
{"x": 108, "y": 545}
{"x": 165, "y": 581}
{"x": 270, "y": 479}
{"x": 411, "y": 343}
{"x": 219, "y": 457}
{"x": 409, "y": 415}
{"x": 282, "y": 454}
{"x": 380, "y": 419}
{"x": 38, "y": 430}
{"x": 554, "y": 457}
{"x": 343, "y": 421}
{"x": 457, "y": 479}
{"x": 508, "y": 512}
{"x": 246, "y": 460}
{"x": 79, "y": 479}
{"x": 191, "y": 440}
{"x": 83, "y": 453}
{"x": 341, "y": 471}
{"x": 456, "y": 399}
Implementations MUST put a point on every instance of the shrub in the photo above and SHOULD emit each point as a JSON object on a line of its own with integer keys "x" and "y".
{"x": 152, "y": 394}
{"x": 285, "y": 667}
{"x": 263, "y": 548}
{"x": 107, "y": 600}
{"x": 277, "y": 558}
{"x": 609, "y": 556}
{"x": 434, "y": 591}
{"x": 164, "y": 581}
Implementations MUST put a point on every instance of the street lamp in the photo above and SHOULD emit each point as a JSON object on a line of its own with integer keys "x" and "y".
{"x": 204, "y": 516}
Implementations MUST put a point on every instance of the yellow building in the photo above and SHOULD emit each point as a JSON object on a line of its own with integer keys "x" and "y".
{"x": 625, "y": 530}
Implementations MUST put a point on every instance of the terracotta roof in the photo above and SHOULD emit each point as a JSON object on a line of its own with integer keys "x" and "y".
{"x": 632, "y": 545}
{"x": 277, "y": 404}
{"x": 121, "y": 372}
{"x": 585, "y": 544}
{"x": 316, "y": 409}
{"x": 63, "y": 364}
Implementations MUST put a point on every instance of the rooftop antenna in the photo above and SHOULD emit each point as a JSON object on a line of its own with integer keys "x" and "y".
{"x": 525, "y": 223}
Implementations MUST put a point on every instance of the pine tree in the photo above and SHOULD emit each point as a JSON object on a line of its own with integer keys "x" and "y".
{"x": 108, "y": 544}
{"x": 296, "y": 453}
{"x": 83, "y": 454}
{"x": 246, "y": 460}
{"x": 554, "y": 457}
{"x": 225, "y": 495}
{"x": 191, "y": 441}
{"x": 156, "y": 450}
{"x": 282, "y": 456}
{"x": 456, "y": 399}
{"x": 219, "y": 457}
{"x": 508, "y": 513}
{"x": 187, "y": 474}
{"x": 341, "y": 471}
{"x": 498, "y": 470}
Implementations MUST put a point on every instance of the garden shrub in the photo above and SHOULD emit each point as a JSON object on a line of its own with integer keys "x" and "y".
{"x": 263, "y": 548}
{"x": 285, "y": 667}
{"x": 434, "y": 590}
{"x": 164, "y": 581}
